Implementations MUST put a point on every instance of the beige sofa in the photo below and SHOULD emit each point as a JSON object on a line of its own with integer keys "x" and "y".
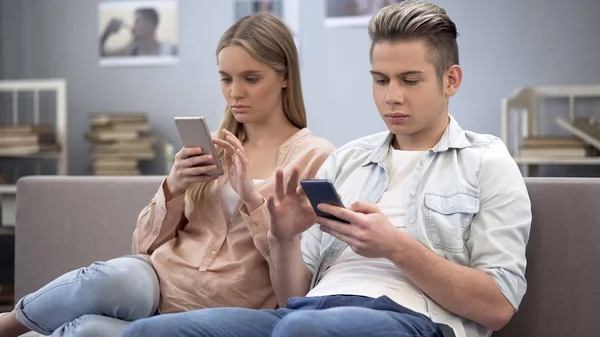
{"x": 67, "y": 222}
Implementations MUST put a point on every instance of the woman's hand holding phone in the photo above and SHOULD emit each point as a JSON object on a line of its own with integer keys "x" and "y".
{"x": 190, "y": 167}
{"x": 237, "y": 170}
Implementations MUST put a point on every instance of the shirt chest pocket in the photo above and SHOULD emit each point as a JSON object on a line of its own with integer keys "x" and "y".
{"x": 447, "y": 217}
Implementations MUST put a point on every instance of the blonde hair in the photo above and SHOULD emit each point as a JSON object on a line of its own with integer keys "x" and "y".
{"x": 269, "y": 41}
{"x": 414, "y": 20}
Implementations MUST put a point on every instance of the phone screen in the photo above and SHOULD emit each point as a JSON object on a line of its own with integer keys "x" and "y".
{"x": 322, "y": 191}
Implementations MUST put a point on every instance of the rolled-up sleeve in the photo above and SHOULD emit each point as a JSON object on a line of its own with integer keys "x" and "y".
{"x": 500, "y": 230}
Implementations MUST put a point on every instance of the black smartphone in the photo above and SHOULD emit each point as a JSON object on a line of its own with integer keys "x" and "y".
{"x": 322, "y": 191}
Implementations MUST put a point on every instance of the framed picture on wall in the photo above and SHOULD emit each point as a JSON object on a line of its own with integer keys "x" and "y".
{"x": 138, "y": 33}
{"x": 352, "y": 13}
{"x": 287, "y": 10}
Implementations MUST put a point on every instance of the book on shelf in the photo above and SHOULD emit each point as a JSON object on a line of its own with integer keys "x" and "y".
{"x": 140, "y": 144}
{"x": 119, "y": 141}
{"x": 556, "y": 146}
{"x": 27, "y": 139}
{"x": 552, "y": 141}
{"x": 124, "y": 118}
{"x": 116, "y": 166}
{"x": 559, "y": 152}
{"x": 20, "y": 129}
{"x": 138, "y": 155}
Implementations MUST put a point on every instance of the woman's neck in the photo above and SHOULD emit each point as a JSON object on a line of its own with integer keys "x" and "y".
{"x": 271, "y": 133}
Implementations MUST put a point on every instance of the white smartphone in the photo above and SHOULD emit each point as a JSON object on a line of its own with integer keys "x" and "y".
{"x": 194, "y": 132}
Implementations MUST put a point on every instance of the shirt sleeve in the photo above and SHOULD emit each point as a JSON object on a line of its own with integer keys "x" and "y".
{"x": 158, "y": 222}
{"x": 258, "y": 225}
{"x": 500, "y": 230}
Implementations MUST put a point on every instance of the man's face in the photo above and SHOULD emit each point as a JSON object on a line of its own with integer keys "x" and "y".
{"x": 142, "y": 27}
{"x": 407, "y": 92}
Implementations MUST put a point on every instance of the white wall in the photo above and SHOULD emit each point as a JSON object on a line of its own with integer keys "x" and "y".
{"x": 503, "y": 44}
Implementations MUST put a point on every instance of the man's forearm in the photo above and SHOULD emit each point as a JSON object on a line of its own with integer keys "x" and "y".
{"x": 289, "y": 275}
{"x": 465, "y": 291}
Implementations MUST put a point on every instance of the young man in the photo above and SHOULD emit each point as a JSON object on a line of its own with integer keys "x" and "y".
{"x": 439, "y": 217}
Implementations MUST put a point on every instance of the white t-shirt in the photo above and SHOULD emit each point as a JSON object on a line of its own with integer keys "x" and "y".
{"x": 230, "y": 199}
{"x": 352, "y": 274}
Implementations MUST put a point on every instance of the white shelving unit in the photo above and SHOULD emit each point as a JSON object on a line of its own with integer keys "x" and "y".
{"x": 525, "y": 102}
{"x": 59, "y": 89}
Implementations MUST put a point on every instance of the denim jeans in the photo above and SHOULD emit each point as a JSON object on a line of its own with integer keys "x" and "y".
{"x": 337, "y": 315}
{"x": 99, "y": 300}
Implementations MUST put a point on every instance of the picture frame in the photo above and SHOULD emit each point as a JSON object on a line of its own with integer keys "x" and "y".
{"x": 352, "y": 13}
{"x": 138, "y": 33}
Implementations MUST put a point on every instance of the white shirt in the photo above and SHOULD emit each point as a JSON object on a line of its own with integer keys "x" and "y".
{"x": 230, "y": 199}
{"x": 352, "y": 274}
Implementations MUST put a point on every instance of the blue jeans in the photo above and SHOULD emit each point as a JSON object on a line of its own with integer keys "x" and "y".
{"x": 338, "y": 315}
{"x": 99, "y": 300}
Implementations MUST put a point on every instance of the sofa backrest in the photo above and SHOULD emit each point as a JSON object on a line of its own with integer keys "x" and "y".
{"x": 563, "y": 267}
{"x": 64, "y": 223}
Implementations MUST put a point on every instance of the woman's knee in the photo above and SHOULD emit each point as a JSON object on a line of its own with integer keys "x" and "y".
{"x": 126, "y": 288}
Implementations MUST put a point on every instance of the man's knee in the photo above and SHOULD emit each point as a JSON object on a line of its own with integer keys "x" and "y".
{"x": 160, "y": 326}
{"x": 145, "y": 328}
{"x": 297, "y": 324}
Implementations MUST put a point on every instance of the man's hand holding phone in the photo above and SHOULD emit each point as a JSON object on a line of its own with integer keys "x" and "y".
{"x": 190, "y": 166}
{"x": 362, "y": 226}
{"x": 368, "y": 232}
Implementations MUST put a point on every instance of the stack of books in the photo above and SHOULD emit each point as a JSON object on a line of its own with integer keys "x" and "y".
{"x": 583, "y": 142}
{"x": 554, "y": 146}
{"x": 118, "y": 142}
{"x": 27, "y": 139}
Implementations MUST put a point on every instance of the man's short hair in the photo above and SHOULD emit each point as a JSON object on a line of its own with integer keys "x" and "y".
{"x": 150, "y": 14}
{"x": 418, "y": 20}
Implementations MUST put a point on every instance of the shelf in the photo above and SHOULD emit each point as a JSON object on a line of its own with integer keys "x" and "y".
{"x": 58, "y": 89}
{"x": 39, "y": 155}
{"x": 8, "y": 189}
{"x": 568, "y": 91}
{"x": 557, "y": 160}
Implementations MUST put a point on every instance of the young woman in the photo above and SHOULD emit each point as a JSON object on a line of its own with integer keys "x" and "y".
{"x": 202, "y": 241}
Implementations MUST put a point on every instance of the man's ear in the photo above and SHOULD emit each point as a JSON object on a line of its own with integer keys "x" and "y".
{"x": 452, "y": 80}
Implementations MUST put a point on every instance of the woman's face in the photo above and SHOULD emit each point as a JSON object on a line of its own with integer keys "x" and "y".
{"x": 253, "y": 90}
